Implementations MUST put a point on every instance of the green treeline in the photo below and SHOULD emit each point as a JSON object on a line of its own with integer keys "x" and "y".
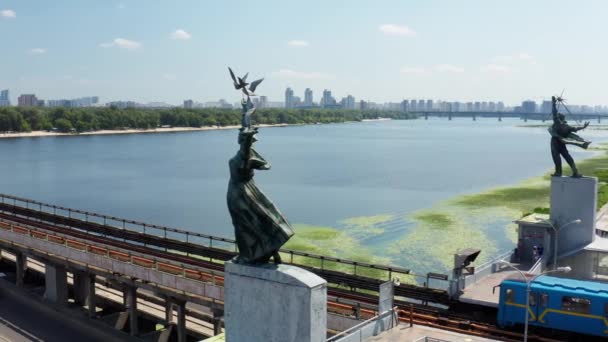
{"x": 25, "y": 119}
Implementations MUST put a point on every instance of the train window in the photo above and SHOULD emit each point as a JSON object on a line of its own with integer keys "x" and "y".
{"x": 532, "y": 299}
{"x": 544, "y": 300}
{"x": 574, "y": 304}
{"x": 510, "y": 295}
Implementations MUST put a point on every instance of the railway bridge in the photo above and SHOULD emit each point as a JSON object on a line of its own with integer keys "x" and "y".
{"x": 80, "y": 250}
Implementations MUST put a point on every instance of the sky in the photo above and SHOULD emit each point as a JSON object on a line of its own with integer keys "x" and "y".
{"x": 382, "y": 51}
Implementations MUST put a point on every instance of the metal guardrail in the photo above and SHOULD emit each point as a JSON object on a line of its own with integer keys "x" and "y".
{"x": 430, "y": 339}
{"x": 361, "y": 331}
{"x": 320, "y": 261}
{"x": 539, "y": 265}
{"x": 487, "y": 268}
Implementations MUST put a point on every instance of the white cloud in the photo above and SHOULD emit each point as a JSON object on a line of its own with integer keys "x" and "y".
{"x": 8, "y": 14}
{"x": 412, "y": 70}
{"x": 449, "y": 68}
{"x": 496, "y": 68}
{"x": 292, "y": 74}
{"x": 518, "y": 57}
{"x": 36, "y": 51}
{"x": 396, "y": 30}
{"x": 170, "y": 77}
{"x": 298, "y": 43}
{"x": 180, "y": 34}
{"x": 122, "y": 43}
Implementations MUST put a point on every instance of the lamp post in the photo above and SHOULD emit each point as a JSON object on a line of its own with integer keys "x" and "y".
{"x": 529, "y": 282}
{"x": 556, "y": 230}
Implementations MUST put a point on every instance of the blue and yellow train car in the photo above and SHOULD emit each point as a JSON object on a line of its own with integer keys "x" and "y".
{"x": 556, "y": 303}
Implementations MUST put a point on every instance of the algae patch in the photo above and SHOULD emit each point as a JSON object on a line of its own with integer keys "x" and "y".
{"x": 435, "y": 219}
{"x": 329, "y": 241}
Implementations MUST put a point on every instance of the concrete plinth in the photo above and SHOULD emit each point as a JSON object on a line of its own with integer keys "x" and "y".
{"x": 573, "y": 199}
{"x": 56, "y": 284}
{"x": 268, "y": 303}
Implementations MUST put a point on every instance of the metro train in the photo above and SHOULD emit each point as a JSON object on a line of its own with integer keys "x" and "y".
{"x": 556, "y": 303}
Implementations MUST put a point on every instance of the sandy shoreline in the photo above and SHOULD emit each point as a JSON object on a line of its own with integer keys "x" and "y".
{"x": 40, "y": 134}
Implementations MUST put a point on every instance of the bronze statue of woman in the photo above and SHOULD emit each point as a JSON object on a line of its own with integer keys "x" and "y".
{"x": 260, "y": 228}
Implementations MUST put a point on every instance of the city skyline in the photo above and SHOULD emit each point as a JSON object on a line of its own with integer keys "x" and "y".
{"x": 380, "y": 53}
{"x": 327, "y": 101}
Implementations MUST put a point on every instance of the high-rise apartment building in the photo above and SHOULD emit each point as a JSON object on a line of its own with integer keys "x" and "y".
{"x": 188, "y": 104}
{"x": 413, "y": 106}
{"x": 477, "y": 106}
{"x": 421, "y": 106}
{"x": 405, "y": 106}
{"x": 528, "y": 106}
{"x": 348, "y": 102}
{"x": 500, "y": 106}
{"x": 308, "y": 97}
{"x": 5, "y": 101}
{"x": 27, "y": 100}
{"x": 289, "y": 100}
{"x": 546, "y": 107}
{"x": 429, "y": 105}
{"x": 327, "y": 100}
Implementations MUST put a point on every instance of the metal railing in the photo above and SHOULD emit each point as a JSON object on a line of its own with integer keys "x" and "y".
{"x": 314, "y": 260}
{"x": 430, "y": 339}
{"x": 367, "y": 328}
{"x": 487, "y": 268}
{"x": 539, "y": 266}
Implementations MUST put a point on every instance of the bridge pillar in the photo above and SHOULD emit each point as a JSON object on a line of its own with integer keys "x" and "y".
{"x": 217, "y": 321}
{"x": 181, "y": 322}
{"x": 131, "y": 294}
{"x": 599, "y": 119}
{"x": 168, "y": 310}
{"x": 91, "y": 299}
{"x": 80, "y": 287}
{"x": 56, "y": 284}
{"x": 21, "y": 265}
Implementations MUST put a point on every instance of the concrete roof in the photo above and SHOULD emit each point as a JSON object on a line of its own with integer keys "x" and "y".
{"x": 600, "y": 244}
{"x": 535, "y": 219}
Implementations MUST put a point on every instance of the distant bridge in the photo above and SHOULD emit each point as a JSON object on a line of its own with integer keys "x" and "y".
{"x": 522, "y": 115}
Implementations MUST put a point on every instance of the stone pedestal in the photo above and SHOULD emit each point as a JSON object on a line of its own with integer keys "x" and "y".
{"x": 573, "y": 199}
{"x": 269, "y": 303}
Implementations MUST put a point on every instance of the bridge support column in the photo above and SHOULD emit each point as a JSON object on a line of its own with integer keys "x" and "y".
{"x": 131, "y": 292}
{"x": 56, "y": 284}
{"x": 80, "y": 288}
{"x": 91, "y": 299}
{"x": 217, "y": 321}
{"x": 21, "y": 265}
{"x": 168, "y": 310}
{"x": 181, "y": 322}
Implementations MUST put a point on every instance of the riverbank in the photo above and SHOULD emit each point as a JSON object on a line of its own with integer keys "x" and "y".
{"x": 40, "y": 134}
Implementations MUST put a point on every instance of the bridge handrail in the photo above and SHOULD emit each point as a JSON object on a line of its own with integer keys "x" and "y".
{"x": 388, "y": 268}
